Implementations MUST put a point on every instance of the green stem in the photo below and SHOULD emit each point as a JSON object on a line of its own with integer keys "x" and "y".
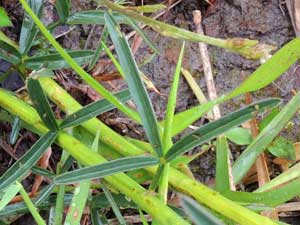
{"x": 81, "y": 72}
{"x": 191, "y": 187}
{"x": 248, "y": 48}
{"x": 38, "y": 219}
{"x": 86, "y": 156}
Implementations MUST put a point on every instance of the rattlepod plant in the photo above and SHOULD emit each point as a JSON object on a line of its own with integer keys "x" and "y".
{"x": 121, "y": 166}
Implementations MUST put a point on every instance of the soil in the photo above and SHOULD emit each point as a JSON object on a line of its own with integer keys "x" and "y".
{"x": 263, "y": 20}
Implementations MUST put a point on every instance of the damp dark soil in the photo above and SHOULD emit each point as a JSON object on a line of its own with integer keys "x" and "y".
{"x": 267, "y": 21}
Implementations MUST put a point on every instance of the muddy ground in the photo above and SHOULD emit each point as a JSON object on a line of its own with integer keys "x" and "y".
{"x": 264, "y": 20}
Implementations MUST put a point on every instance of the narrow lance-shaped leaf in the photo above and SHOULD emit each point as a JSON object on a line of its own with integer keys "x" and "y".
{"x": 55, "y": 61}
{"x": 248, "y": 157}
{"x": 41, "y": 103}
{"x": 248, "y": 48}
{"x": 9, "y": 193}
{"x": 106, "y": 169}
{"x": 63, "y": 9}
{"x": 264, "y": 75}
{"x": 92, "y": 110}
{"x": 222, "y": 165}
{"x": 15, "y": 131}
{"x": 4, "y": 19}
{"x": 22, "y": 166}
{"x": 213, "y": 129}
{"x": 9, "y": 53}
{"x": 92, "y": 17}
{"x": 143, "y": 34}
{"x": 135, "y": 84}
{"x": 273, "y": 197}
{"x": 29, "y": 30}
{"x": 198, "y": 214}
{"x": 113, "y": 204}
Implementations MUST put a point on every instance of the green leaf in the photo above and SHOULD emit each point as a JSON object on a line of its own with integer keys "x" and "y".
{"x": 266, "y": 120}
{"x": 8, "y": 195}
{"x": 44, "y": 194}
{"x": 106, "y": 169}
{"x": 147, "y": 8}
{"x": 222, "y": 167}
{"x": 135, "y": 84}
{"x": 55, "y": 61}
{"x": 260, "y": 143}
{"x": 95, "y": 217}
{"x": 23, "y": 165}
{"x": 198, "y": 214}
{"x": 218, "y": 127}
{"x": 282, "y": 148}
{"x": 62, "y": 9}
{"x": 9, "y": 53}
{"x": 41, "y": 103}
{"x": 15, "y": 131}
{"x": 29, "y": 29}
{"x": 248, "y": 48}
{"x": 113, "y": 204}
{"x": 285, "y": 177}
{"x": 92, "y": 17}
{"x": 143, "y": 34}
{"x": 4, "y": 19}
{"x": 273, "y": 198}
{"x": 92, "y": 110}
{"x": 42, "y": 172}
{"x": 239, "y": 136}
{"x": 280, "y": 62}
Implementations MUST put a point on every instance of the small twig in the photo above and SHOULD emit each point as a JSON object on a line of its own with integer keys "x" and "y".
{"x": 208, "y": 74}
{"x": 294, "y": 11}
{"x": 211, "y": 87}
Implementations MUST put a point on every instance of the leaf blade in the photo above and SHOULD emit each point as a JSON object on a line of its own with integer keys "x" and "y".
{"x": 22, "y": 166}
{"x": 135, "y": 84}
{"x": 105, "y": 169}
{"x": 217, "y": 127}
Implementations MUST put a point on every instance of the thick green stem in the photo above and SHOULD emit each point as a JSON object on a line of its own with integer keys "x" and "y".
{"x": 177, "y": 179}
{"x": 151, "y": 204}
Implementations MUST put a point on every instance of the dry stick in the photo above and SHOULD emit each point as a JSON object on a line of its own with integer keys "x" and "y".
{"x": 294, "y": 11}
{"x": 211, "y": 87}
{"x": 263, "y": 176}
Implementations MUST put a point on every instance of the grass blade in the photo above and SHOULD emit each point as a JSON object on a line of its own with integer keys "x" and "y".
{"x": 272, "y": 198}
{"x": 248, "y": 48}
{"x": 41, "y": 103}
{"x": 264, "y": 75}
{"x": 9, "y": 53}
{"x": 55, "y": 61}
{"x": 29, "y": 30}
{"x": 95, "y": 217}
{"x": 15, "y": 131}
{"x": 218, "y": 127}
{"x": 259, "y": 144}
{"x": 199, "y": 214}
{"x": 44, "y": 194}
{"x": 4, "y": 19}
{"x": 92, "y": 17}
{"x": 105, "y": 169}
{"x": 21, "y": 167}
{"x": 143, "y": 34}
{"x": 92, "y": 110}
{"x": 38, "y": 219}
{"x": 287, "y": 176}
{"x": 222, "y": 168}
{"x": 62, "y": 9}
{"x": 81, "y": 72}
{"x": 113, "y": 204}
{"x": 135, "y": 84}
{"x": 8, "y": 195}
